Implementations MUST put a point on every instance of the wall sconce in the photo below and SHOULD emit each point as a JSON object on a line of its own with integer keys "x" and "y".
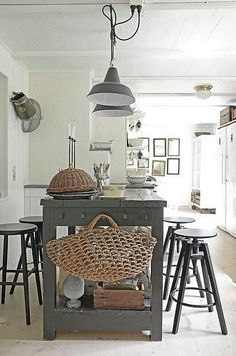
{"x": 28, "y": 110}
{"x": 112, "y": 92}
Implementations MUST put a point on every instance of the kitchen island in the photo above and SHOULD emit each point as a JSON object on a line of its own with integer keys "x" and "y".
{"x": 141, "y": 207}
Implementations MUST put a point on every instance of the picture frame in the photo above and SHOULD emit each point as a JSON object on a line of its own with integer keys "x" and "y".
{"x": 173, "y": 166}
{"x": 158, "y": 167}
{"x": 159, "y": 147}
{"x": 173, "y": 147}
{"x": 143, "y": 163}
{"x": 146, "y": 144}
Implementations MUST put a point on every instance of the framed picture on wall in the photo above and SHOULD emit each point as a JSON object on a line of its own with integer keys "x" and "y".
{"x": 143, "y": 163}
{"x": 173, "y": 147}
{"x": 173, "y": 166}
{"x": 159, "y": 147}
{"x": 146, "y": 145}
{"x": 158, "y": 168}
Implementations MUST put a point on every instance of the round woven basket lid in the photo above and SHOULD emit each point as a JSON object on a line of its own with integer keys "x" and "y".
{"x": 71, "y": 180}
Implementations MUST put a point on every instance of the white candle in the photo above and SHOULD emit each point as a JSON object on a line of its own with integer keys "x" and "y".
{"x": 69, "y": 129}
{"x": 73, "y": 130}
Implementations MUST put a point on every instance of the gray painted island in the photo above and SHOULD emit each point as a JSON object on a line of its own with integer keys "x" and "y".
{"x": 141, "y": 207}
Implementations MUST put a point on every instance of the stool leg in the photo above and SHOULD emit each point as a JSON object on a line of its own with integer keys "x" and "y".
{"x": 40, "y": 234}
{"x": 169, "y": 265}
{"x": 198, "y": 277}
{"x": 183, "y": 282}
{"x": 4, "y": 268}
{"x": 214, "y": 288}
{"x": 177, "y": 247}
{"x": 207, "y": 284}
{"x": 16, "y": 275}
{"x": 18, "y": 268}
{"x": 176, "y": 276}
{"x": 36, "y": 269}
{"x": 167, "y": 238}
{"x": 25, "y": 278}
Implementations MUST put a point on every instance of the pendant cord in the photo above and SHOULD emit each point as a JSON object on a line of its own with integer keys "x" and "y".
{"x": 113, "y": 23}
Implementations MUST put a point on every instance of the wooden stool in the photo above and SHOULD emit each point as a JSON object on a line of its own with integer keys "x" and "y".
{"x": 26, "y": 231}
{"x": 193, "y": 248}
{"x": 171, "y": 238}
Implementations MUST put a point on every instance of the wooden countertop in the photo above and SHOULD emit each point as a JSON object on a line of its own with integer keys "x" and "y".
{"x": 133, "y": 198}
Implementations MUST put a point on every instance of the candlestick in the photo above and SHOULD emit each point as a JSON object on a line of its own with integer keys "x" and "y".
{"x": 74, "y": 141}
{"x": 69, "y": 139}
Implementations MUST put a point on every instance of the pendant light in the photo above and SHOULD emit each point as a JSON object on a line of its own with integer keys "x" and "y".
{"x": 112, "y": 111}
{"x": 112, "y": 93}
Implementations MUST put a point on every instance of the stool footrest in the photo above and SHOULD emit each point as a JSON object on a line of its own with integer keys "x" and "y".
{"x": 194, "y": 305}
{"x": 29, "y": 272}
{"x": 11, "y": 283}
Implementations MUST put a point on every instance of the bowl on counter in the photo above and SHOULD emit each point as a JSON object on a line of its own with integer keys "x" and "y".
{"x": 136, "y": 142}
{"x": 136, "y": 179}
{"x": 114, "y": 190}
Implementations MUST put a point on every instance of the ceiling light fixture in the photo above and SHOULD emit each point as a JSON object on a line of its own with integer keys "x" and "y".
{"x": 112, "y": 111}
{"x": 203, "y": 91}
{"x": 112, "y": 92}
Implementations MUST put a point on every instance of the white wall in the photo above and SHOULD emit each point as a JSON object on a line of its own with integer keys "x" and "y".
{"x": 3, "y": 135}
{"x": 12, "y": 206}
{"x": 62, "y": 97}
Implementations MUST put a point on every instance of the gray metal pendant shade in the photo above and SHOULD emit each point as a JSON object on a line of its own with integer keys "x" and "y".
{"x": 112, "y": 111}
{"x": 111, "y": 92}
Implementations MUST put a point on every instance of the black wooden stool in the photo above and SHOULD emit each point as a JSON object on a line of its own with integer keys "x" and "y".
{"x": 193, "y": 248}
{"x": 26, "y": 231}
{"x": 38, "y": 221}
{"x": 170, "y": 241}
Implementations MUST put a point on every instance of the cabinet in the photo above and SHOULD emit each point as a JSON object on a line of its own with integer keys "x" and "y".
{"x": 226, "y": 207}
{"x": 141, "y": 207}
{"x": 204, "y": 171}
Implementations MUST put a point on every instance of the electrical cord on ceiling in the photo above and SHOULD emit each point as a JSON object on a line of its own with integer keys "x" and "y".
{"x": 112, "y": 17}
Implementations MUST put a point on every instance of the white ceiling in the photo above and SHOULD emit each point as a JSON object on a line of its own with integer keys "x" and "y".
{"x": 180, "y": 44}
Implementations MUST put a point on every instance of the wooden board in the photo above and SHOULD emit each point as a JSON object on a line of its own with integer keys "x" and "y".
{"x": 118, "y": 299}
{"x": 227, "y": 115}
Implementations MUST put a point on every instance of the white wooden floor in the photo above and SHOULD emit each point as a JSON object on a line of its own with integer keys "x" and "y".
{"x": 199, "y": 332}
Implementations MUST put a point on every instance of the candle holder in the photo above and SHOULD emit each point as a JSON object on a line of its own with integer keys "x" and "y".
{"x": 73, "y": 288}
{"x": 100, "y": 173}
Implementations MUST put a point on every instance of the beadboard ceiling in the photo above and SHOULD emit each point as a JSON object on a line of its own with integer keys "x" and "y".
{"x": 180, "y": 44}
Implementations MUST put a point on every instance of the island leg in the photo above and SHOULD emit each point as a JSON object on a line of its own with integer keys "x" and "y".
{"x": 157, "y": 275}
{"x": 49, "y": 277}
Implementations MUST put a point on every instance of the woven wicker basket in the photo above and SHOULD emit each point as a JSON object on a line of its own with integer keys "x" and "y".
{"x": 102, "y": 254}
{"x": 71, "y": 180}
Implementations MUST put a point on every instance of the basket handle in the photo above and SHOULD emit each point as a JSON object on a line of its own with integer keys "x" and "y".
{"x": 92, "y": 224}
